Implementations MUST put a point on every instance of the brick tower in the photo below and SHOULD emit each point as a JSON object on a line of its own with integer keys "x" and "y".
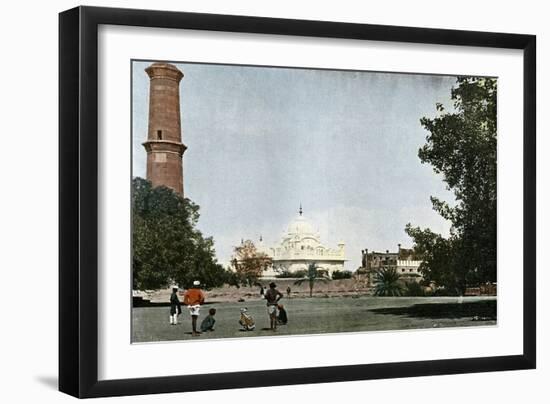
{"x": 164, "y": 147}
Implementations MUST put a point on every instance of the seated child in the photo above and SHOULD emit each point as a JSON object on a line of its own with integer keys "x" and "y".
{"x": 208, "y": 322}
{"x": 246, "y": 321}
{"x": 282, "y": 317}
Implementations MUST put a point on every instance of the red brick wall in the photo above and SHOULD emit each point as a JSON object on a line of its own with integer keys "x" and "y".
{"x": 164, "y": 151}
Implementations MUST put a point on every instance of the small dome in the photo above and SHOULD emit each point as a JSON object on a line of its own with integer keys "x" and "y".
{"x": 262, "y": 247}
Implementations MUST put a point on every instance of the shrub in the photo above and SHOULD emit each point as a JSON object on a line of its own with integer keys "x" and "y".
{"x": 414, "y": 289}
{"x": 292, "y": 274}
{"x": 341, "y": 275}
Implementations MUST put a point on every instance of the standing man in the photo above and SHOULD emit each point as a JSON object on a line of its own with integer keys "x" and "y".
{"x": 288, "y": 290}
{"x": 175, "y": 306}
{"x": 272, "y": 296}
{"x": 193, "y": 298}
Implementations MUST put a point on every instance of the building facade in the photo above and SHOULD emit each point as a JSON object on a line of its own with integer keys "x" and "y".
{"x": 404, "y": 261}
{"x": 300, "y": 246}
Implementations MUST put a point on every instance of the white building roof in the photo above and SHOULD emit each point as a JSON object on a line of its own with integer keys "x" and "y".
{"x": 302, "y": 242}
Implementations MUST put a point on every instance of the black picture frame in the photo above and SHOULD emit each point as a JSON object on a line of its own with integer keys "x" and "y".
{"x": 78, "y": 200}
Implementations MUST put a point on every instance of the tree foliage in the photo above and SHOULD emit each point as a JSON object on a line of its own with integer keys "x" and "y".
{"x": 249, "y": 263}
{"x": 387, "y": 282}
{"x": 313, "y": 275}
{"x": 167, "y": 247}
{"x": 461, "y": 146}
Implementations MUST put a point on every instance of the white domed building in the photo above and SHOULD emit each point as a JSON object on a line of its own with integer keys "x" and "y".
{"x": 300, "y": 246}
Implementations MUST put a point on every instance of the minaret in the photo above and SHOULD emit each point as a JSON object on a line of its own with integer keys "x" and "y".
{"x": 164, "y": 147}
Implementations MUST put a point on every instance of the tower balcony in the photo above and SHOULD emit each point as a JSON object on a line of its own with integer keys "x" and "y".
{"x": 165, "y": 146}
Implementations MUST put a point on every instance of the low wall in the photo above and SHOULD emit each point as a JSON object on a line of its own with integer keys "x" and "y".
{"x": 341, "y": 287}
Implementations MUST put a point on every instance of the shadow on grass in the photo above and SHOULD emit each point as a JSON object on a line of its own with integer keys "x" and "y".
{"x": 482, "y": 310}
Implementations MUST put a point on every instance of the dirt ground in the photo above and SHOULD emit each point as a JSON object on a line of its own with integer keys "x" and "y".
{"x": 318, "y": 315}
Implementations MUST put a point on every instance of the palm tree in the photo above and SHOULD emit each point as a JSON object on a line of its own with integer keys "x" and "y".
{"x": 387, "y": 283}
{"x": 312, "y": 276}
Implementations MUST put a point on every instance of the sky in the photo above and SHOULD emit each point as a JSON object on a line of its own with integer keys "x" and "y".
{"x": 344, "y": 144}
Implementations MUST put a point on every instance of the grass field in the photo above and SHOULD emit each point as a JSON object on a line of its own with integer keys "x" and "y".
{"x": 321, "y": 315}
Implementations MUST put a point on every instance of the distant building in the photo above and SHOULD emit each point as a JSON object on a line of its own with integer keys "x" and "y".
{"x": 300, "y": 246}
{"x": 404, "y": 261}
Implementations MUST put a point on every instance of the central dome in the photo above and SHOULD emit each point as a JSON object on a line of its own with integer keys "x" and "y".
{"x": 300, "y": 225}
{"x": 301, "y": 246}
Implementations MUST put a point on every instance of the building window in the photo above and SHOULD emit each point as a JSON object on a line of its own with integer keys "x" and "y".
{"x": 159, "y": 134}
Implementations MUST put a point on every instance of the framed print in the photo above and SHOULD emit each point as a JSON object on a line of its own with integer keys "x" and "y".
{"x": 250, "y": 201}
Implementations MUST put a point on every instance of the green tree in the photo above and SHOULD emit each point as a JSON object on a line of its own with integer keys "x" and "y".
{"x": 387, "y": 282}
{"x": 167, "y": 248}
{"x": 461, "y": 146}
{"x": 249, "y": 263}
{"x": 313, "y": 275}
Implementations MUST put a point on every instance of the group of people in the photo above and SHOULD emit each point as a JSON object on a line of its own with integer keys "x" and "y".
{"x": 194, "y": 297}
{"x": 275, "y": 311}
